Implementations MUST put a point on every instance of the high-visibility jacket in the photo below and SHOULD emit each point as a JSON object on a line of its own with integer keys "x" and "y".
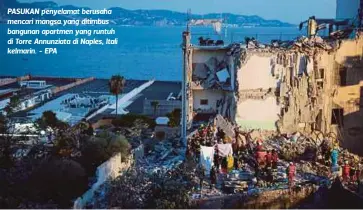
{"x": 275, "y": 157}
{"x": 291, "y": 170}
{"x": 230, "y": 163}
{"x": 269, "y": 158}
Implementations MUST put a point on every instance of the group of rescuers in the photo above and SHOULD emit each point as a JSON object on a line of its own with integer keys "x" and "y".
{"x": 266, "y": 161}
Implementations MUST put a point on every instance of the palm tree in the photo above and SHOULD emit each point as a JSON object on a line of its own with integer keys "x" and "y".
{"x": 116, "y": 84}
{"x": 155, "y": 104}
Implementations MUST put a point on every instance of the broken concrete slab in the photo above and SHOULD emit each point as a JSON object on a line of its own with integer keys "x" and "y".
{"x": 223, "y": 75}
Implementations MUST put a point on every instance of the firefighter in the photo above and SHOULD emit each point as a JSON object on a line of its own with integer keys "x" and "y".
{"x": 213, "y": 177}
{"x": 275, "y": 158}
{"x": 346, "y": 171}
{"x": 268, "y": 159}
{"x": 291, "y": 172}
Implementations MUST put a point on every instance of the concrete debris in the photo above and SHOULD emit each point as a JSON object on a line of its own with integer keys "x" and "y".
{"x": 163, "y": 157}
{"x": 224, "y": 124}
{"x": 302, "y": 150}
{"x": 213, "y": 74}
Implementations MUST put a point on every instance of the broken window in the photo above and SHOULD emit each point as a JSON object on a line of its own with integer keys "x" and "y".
{"x": 319, "y": 74}
{"x": 337, "y": 117}
{"x": 320, "y": 84}
{"x": 343, "y": 76}
{"x": 204, "y": 102}
{"x": 318, "y": 120}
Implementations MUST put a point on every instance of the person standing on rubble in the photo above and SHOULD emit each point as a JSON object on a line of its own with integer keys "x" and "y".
{"x": 268, "y": 159}
{"x": 201, "y": 173}
{"x": 275, "y": 158}
{"x": 221, "y": 134}
{"x": 359, "y": 174}
{"x": 216, "y": 157}
{"x": 353, "y": 172}
{"x": 334, "y": 157}
{"x": 291, "y": 172}
{"x": 259, "y": 154}
{"x": 346, "y": 171}
{"x": 213, "y": 177}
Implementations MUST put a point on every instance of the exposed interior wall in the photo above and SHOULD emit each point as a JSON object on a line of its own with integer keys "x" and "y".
{"x": 211, "y": 95}
{"x": 210, "y": 74}
{"x": 348, "y": 94}
{"x": 202, "y": 56}
{"x": 257, "y": 114}
{"x": 257, "y": 72}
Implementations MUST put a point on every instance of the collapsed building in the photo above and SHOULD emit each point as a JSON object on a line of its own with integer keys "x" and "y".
{"x": 300, "y": 86}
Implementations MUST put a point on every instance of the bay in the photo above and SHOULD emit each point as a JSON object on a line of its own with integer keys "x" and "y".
{"x": 142, "y": 53}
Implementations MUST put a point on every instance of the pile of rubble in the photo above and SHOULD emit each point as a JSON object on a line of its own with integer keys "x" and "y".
{"x": 304, "y": 151}
{"x": 164, "y": 156}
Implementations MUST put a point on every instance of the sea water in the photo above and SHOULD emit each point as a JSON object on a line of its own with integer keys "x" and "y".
{"x": 143, "y": 53}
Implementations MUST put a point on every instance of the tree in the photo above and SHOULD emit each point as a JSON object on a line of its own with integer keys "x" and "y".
{"x": 174, "y": 118}
{"x": 13, "y": 105}
{"x": 6, "y": 142}
{"x": 155, "y": 105}
{"x": 128, "y": 120}
{"x": 116, "y": 85}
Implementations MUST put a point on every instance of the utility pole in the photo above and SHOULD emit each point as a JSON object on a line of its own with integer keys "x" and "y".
{"x": 185, "y": 87}
{"x": 185, "y": 82}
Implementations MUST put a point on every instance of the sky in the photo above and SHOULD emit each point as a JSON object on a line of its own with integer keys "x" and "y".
{"x": 292, "y": 11}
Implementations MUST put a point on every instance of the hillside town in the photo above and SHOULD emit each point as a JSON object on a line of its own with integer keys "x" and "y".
{"x": 251, "y": 125}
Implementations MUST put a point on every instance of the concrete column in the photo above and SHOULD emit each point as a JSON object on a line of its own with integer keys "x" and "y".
{"x": 185, "y": 82}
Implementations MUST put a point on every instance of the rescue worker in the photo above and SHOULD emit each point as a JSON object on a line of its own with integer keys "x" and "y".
{"x": 201, "y": 173}
{"x": 257, "y": 172}
{"x": 213, "y": 177}
{"x": 359, "y": 173}
{"x": 268, "y": 159}
{"x": 224, "y": 165}
{"x": 346, "y": 171}
{"x": 334, "y": 157}
{"x": 291, "y": 172}
{"x": 260, "y": 154}
{"x": 275, "y": 158}
{"x": 352, "y": 173}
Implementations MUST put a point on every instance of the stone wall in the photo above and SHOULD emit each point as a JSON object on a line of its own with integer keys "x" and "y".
{"x": 108, "y": 170}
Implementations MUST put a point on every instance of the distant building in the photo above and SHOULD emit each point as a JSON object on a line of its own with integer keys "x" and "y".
{"x": 348, "y": 9}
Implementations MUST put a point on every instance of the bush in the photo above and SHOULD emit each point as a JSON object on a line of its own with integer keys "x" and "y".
{"x": 99, "y": 149}
{"x": 128, "y": 120}
{"x": 174, "y": 117}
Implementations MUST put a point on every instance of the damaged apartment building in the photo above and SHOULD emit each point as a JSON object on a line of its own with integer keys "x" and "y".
{"x": 311, "y": 84}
